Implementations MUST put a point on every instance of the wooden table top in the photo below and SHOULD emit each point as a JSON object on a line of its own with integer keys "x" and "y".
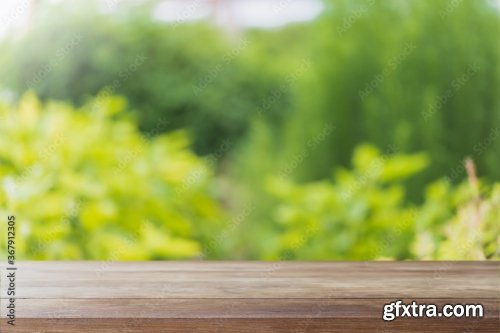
{"x": 263, "y": 297}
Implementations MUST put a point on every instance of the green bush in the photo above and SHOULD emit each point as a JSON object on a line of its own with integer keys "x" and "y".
{"x": 458, "y": 223}
{"x": 365, "y": 214}
{"x": 87, "y": 185}
{"x": 362, "y": 214}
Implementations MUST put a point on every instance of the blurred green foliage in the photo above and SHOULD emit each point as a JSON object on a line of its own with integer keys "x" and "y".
{"x": 414, "y": 76}
{"x": 424, "y": 75}
{"x": 459, "y": 223}
{"x": 190, "y": 74}
{"x": 87, "y": 185}
{"x": 364, "y": 213}
{"x": 273, "y": 112}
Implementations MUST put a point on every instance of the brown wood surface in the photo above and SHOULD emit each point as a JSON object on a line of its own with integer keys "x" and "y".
{"x": 246, "y": 296}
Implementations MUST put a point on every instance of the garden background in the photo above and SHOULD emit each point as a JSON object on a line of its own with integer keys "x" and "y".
{"x": 369, "y": 130}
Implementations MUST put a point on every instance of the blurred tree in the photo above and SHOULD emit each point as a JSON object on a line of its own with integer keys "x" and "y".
{"x": 190, "y": 75}
{"x": 420, "y": 75}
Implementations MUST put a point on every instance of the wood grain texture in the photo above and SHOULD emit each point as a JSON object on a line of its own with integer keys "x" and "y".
{"x": 246, "y": 296}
